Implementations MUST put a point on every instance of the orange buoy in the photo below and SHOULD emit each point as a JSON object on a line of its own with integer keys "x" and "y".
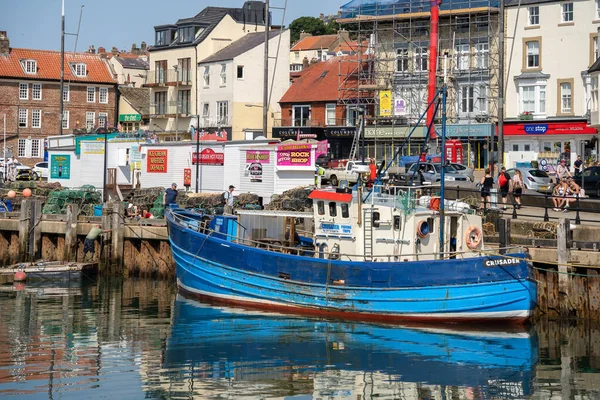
{"x": 11, "y": 194}
{"x": 20, "y": 276}
{"x": 19, "y": 286}
{"x": 26, "y": 192}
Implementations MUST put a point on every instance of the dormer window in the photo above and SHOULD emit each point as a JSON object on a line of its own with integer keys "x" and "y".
{"x": 79, "y": 70}
{"x": 29, "y": 66}
{"x": 161, "y": 38}
{"x": 186, "y": 35}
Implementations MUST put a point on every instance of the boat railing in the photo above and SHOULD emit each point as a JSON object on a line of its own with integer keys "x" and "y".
{"x": 280, "y": 246}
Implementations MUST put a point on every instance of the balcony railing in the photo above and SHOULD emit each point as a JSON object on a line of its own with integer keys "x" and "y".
{"x": 307, "y": 122}
{"x": 169, "y": 77}
{"x": 213, "y": 122}
{"x": 171, "y": 108}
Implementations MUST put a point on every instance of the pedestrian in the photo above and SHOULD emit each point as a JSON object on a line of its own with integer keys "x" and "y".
{"x": 562, "y": 171}
{"x": 89, "y": 244}
{"x": 578, "y": 166}
{"x": 504, "y": 183}
{"x": 228, "y": 197}
{"x": 486, "y": 183}
{"x": 517, "y": 184}
{"x": 170, "y": 196}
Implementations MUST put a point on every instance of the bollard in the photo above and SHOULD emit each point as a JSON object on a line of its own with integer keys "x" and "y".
{"x": 514, "y": 213}
{"x": 577, "y": 218}
{"x": 546, "y": 216}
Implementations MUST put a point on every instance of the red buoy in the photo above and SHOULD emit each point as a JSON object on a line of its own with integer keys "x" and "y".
{"x": 20, "y": 276}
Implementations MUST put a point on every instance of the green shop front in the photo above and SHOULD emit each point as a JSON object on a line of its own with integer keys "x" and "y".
{"x": 130, "y": 122}
{"x": 477, "y": 140}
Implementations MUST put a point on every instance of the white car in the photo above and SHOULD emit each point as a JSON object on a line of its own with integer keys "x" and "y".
{"x": 42, "y": 170}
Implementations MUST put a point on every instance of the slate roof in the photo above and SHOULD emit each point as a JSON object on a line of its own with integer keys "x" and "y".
{"x": 239, "y": 47}
{"x": 48, "y": 66}
{"x": 595, "y": 67}
{"x": 139, "y": 98}
{"x": 133, "y": 63}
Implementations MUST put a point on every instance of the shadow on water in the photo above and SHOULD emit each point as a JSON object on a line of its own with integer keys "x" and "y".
{"x": 137, "y": 338}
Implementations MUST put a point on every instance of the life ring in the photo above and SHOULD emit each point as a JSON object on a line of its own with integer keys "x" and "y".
{"x": 473, "y": 237}
{"x": 423, "y": 229}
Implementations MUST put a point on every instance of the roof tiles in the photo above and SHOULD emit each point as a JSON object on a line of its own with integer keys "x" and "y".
{"x": 315, "y": 43}
{"x": 48, "y": 66}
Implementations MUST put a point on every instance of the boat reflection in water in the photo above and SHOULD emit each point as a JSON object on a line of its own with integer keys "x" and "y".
{"x": 248, "y": 354}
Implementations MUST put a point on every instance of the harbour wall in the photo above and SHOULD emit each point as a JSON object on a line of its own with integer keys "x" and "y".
{"x": 567, "y": 263}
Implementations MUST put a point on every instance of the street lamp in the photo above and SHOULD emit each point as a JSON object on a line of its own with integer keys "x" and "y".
{"x": 176, "y": 103}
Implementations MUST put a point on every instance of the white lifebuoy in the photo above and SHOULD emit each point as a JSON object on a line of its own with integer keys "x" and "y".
{"x": 473, "y": 237}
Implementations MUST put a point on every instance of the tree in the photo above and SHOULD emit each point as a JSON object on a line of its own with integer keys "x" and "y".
{"x": 310, "y": 25}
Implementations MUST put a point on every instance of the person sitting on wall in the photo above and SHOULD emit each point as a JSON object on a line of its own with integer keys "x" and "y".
{"x": 559, "y": 195}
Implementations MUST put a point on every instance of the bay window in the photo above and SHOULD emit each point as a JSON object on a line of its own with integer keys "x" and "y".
{"x": 532, "y": 98}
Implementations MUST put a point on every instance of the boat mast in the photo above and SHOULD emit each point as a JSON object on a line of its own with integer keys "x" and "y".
{"x": 62, "y": 70}
{"x": 266, "y": 72}
{"x": 443, "y": 159}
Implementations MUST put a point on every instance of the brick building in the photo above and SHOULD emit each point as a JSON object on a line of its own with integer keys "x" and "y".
{"x": 30, "y": 97}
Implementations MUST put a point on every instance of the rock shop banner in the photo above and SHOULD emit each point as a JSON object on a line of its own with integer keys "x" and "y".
{"x": 294, "y": 155}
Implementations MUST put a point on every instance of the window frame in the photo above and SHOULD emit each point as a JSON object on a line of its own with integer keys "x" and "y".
{"x": 205, "y": 110}
{"x": 527, "y": 55}
{"x": 26, "y": 86}
{"x": 482, "y": 55}
{"x": 65, "y": 119}
{"x": 29, "y": 66}
{"x": 89, "y": 126}
{"x": 330, "y": 107}
{"x": 87, "y": 94}
{"x": 182, "y": 100}
{"x": 240, "y": 68}
{"x": 25, "y": 112}
{"x": 79, "y": 70}
{"x": 103, "y": 91}
{"x": 223, "y": 75}
{"x": 206, "y": 76}
{"x": 67, "y": 92}
{"x": 567, "y": 15}
{"x": 562, "y": 97}
{"x": 22, "y": 154}
{"x": 304, "y": 121}
{"x": 467, "y": 103}
{"x": 538, "y": 100}
{"x": 402, "y": 59}
{"x": 39, "y": 119}
{"x": 463, "y": 58}
{"x": 222, "y": 120}
{"x": 33, "y": 91}
{"x": 39, "y": 144}
{"x": 420, "y": 56}
{"x": 332, "y": 206}
{"x": 531, "y": 17}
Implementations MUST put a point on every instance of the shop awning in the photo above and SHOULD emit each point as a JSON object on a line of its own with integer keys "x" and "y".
{"x": 549, "y": 128}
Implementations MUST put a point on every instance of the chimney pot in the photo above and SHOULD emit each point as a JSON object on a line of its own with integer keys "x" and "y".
{"x": 304, "y": 35}
{"x": 305, "y": 62}
{"x": 4, "y": 43}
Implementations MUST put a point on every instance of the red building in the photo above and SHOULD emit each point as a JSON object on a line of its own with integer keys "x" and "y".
{"x": 30, "y": 97}
{"x": 310, "y": 107}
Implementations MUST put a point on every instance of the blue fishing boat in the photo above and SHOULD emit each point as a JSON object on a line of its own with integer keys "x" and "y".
{"x": 257, "y": 348}
{"x": 372, "y": 253}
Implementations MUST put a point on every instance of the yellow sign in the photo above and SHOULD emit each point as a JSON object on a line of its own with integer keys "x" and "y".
{"x": 385, "y": 103}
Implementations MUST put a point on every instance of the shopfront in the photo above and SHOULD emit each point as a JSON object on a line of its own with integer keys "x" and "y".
{"x": 549, "y": 142}
{"x": 477, "y": 141}
{"x": 339, "y": 138}
{"x": 382, "y": 141}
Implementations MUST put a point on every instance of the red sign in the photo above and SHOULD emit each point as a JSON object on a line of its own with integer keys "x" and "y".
{"x": 187, "y": 177}
{"x": 157, "y": 161}
{"x": 208, "y": 157}
{"x": 548, "y": 128}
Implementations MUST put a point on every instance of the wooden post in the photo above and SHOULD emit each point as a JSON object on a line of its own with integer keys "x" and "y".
{"x": 564, "y": 256}
{"x": 106, "y": 249}
{"x": 70, "y": 251}
{"x": 118, "y": 225}
{"x": 35, "y": 230}
{"x": 504, "y": 232}
{"x": 24, "y": 229}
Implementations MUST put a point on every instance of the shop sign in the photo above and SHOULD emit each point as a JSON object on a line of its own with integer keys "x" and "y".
{"x": 399, "y": 106}
{"x": 385, "y": 103}
{"x": 92, "y": 148}
{"x": 536, "y": 129}
{"x": 157, "y": 161}
{"x": 467, "y": 130}
{"x": 208, "y": 157}
{"x": 294, "y": 155}
{"x": 60, "y": 166}
{"x": 340, "y": 132}
{"x": 291, "y": 132}
{"x": 130, "y": 117}
{"x": 135, "y": 157}
{"x": 261, "y": 156}
{"x": 553, "y": 128}
{"x": 256, "y": 171}
{"x": 322, "y": 147}
{"x": 187, "y": 177}
{"x": 390, "y": 132}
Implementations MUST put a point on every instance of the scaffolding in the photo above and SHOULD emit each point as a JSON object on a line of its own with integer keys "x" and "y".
{"x": 393, "y": 59}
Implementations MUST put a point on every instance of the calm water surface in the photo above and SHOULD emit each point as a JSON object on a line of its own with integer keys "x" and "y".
{"x": 125, "y": 339}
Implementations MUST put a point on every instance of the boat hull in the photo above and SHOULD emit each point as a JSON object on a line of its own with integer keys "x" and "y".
{"x": 481, "y": 289}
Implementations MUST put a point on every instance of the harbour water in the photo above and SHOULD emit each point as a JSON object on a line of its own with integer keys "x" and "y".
{"x": 130, "y": 339}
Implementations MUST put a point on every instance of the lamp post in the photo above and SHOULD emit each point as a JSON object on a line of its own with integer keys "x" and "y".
{"x": 266, "y": 72}
{"x": 176, "y": 103}
{"x": 4, "y": 149}
{"x": 197, "y": 152}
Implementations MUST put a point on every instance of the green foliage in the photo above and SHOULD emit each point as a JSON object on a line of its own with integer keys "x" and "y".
{"x": 311, "y": 25}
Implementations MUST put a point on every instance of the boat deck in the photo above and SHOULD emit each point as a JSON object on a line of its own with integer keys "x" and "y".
{"x": 50, "y": 270}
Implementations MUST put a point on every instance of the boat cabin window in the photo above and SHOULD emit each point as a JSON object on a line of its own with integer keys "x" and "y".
{"x": 430, "y": 222}
{"x": 376, "y": 218}
{"x": 396, "y": 222}
{"x": 345, "y": 210}
{"x": 321, "y": 207}
{"x": 332, "y": 209}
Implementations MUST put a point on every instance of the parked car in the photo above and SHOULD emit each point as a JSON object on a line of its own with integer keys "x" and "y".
{"x": 534, "y": 179}
{"x": 432, "y": 173}
{"x": 589, "y": 180}
{"x": 42, "y": 170}
{"x": 463, "y": 169}
{"x": 23, "y": 171}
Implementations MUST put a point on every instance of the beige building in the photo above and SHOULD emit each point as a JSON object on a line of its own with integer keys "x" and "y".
{"x": 550, "y": 45}
{"x": 131, "y": 71}
{"x": 231, "y": 88}
{"x": 178, "y": 48}
{"x": 310, "y": 49}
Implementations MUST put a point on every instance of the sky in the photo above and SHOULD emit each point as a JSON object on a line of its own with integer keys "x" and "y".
{"x": 35, "y": 24}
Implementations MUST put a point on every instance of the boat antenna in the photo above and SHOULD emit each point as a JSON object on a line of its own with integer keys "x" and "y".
{"x": 443, "y": 168}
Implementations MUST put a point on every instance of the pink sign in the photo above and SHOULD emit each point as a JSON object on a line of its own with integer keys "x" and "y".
{"x": 321, "y": 148}
{"x": 260, "y": 156}
{"x": 294, "y": 155}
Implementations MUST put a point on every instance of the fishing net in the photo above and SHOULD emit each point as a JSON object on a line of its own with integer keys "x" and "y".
{"x": 85, "y": 197}
{"x": 295, "y": 199}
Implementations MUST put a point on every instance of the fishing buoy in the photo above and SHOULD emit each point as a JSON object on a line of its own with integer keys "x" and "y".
{"x": 20, "y": 276}
{"x": 11, "y": 194}
{"x": 19, "y": 286}
{"x": 26, "y": 192}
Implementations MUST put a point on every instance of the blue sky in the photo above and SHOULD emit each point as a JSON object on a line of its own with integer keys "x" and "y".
{"x": 35, "y": 24}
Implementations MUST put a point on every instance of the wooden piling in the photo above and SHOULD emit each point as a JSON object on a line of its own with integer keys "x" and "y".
{"x": 106, "y": 249}
{"x": 118, "y": 225}
{"x": 504, "y": 232}
{"x": 564, "y": 256}
{"x": 70, "y": 249}
{"x": 24, "y": 229}
{"x": 35, "y": 231}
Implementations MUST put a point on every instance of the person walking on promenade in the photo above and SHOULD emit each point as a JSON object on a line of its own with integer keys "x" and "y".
{"x": 486, "y": 183}
{"x": 228, "y": 197}
{"x": 504, "y": 183}
{"x": 517, "y": 184}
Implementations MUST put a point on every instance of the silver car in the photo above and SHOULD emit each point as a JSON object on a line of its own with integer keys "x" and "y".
{"x": 464, "y": 170}
{"x": 534, "y": 179}
{"x": 432, "y": 173}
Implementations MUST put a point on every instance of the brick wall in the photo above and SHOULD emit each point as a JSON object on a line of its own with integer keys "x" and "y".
{"x": 49, "y": 106}
{"x": 317, "y": 113}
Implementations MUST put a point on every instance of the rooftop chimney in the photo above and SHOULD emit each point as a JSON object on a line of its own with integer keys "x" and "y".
{"x": 143, "y": 46}
{"x": 92, "y": 50}
{"x": 304, "y": 35}
{"x": 343, "y": 35}
{"x": 4, "y": 43}
{"x": 305, "y": 62}
{"x": 134, "y": 48}
{"x": 101, "y": 50}
{"x": 114, "y": 51}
